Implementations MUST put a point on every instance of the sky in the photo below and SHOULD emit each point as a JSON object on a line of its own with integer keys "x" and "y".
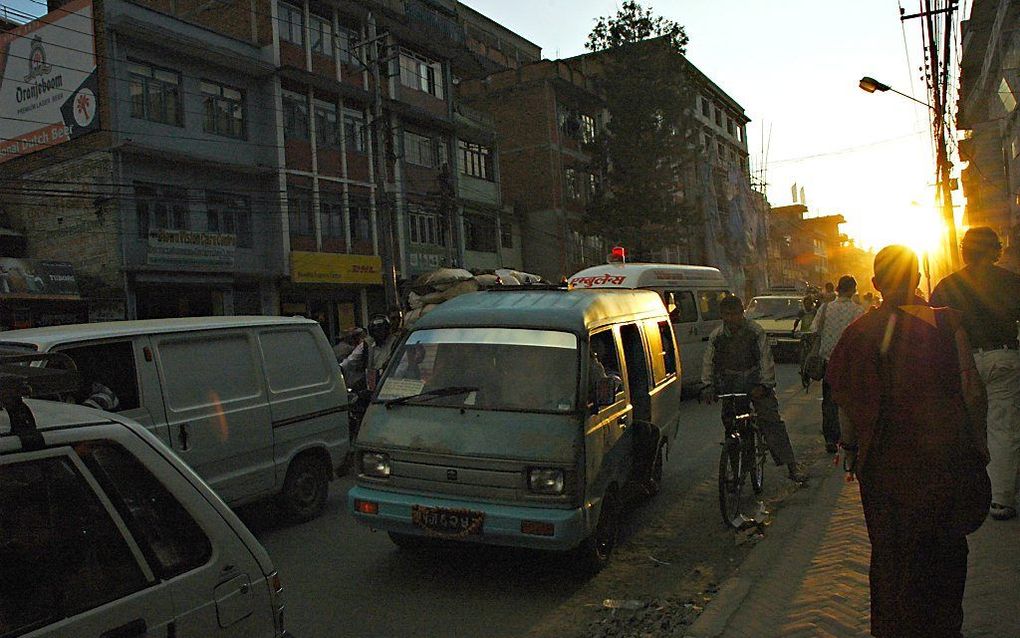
{"x": 794, "y": 66}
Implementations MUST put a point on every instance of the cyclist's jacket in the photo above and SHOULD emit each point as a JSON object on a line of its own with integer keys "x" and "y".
{"x": 745, "y": 351}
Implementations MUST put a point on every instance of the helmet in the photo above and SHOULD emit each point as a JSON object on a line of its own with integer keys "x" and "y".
{"x": 379, "y": 327}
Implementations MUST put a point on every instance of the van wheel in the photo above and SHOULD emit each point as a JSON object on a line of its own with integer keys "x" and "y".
{"x": 595, "y": 551}
{"x": 305, "y": 489}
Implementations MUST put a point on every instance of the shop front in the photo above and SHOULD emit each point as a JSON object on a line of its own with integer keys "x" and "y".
{"x": 37, "y": 292}
{"x": 339, "y": 291}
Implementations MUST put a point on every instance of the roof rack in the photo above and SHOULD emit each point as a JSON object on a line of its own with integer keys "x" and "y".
{"x": 20, "y": 380}
{"x": 513, "y": 288}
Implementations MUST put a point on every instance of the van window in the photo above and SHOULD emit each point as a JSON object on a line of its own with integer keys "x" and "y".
{"x": 603, "y": 348}
{"x": 668, "y": 350}
{"x": 207, "y": 370}
{"x": 171, "y": 540}
{"x": 685, "y": 310}
{"x": 111, "y": 364}
{"x": 654, "y": 339}
{"x": 708, "y": 301}
{"x": 293, "y": 360}
{"x": 61, "y": 552}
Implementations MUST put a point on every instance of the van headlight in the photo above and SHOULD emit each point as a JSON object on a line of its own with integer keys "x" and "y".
{"x": 376, "y": 464}
{"x": 545, "y": 480}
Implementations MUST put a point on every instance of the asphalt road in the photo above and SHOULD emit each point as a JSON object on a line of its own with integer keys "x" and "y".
{"x": 342, "y": 579}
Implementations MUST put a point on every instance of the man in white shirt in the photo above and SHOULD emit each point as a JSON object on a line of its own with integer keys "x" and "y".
{"x": 830, "y": 322}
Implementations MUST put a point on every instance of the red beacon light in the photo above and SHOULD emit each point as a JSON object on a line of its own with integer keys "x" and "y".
{"x": 618, "y": 254}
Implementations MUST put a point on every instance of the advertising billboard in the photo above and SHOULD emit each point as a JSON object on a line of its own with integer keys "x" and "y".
{"x": 48, "y": 87}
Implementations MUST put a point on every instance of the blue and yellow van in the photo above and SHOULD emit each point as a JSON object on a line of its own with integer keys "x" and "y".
{"x": 521, "y": 417}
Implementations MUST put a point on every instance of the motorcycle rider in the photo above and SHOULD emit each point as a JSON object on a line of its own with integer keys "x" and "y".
{"x": 367, "y": 362}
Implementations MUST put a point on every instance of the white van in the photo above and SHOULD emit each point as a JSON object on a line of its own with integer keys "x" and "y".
{"x": 255, "y": 405}
{"x": 691, "y": 293}
{"x": 106, "y": 533}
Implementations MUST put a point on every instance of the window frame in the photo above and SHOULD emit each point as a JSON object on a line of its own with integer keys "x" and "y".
{"x": 241, "y": 214}
{"x": 144, "y": 74}
{"x": 295, "y": 110}
{"x": 304, "y": 212}
{"x": 323, "y": 45}
{"x": 476, "y": 160}
{"x": 287, "y": 11}
{"x": 420, "y": 73}
{"x": 323, "y": 111}
{"x": 480, "y": 233}
{"x": 161, "y": 195}
{"x": 355, "y": 126}
{"x": 236, "y": 109}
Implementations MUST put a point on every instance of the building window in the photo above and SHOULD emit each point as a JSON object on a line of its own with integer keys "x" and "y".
{"x": 476, "y": 160}
{"x": 327, "y": 132}
{"x": 295, "y": 116}
{"x": 718, "y": 116}
{"x": 155, "y": 94}
{"x": 569, "y": 121}
{"x": 223, "y": 109}
{"x": 361, "y": 223}
{"x": 421, "y": 73}
{"x": 740, "y": 133}
{"x": 161, "y": 207}
{"x": 479, "y": 233}
{"x": 706, "y": 108}
{"x": 320, "y": 30}
{"x": 426, "y": 228}
{"x": 229, "y": 214}
{"x": 730, "y": 128}
{"x": 572, "y": 184}
{"x": 355, "y": 131}
{"x": 506, "y": 235}
{"x": 424, "y": 151}
{"x": 346, "y": 39}
{"x": 299, "y": 210}
{"x": 292, "y": 24}
{"x": 587, "y": 129}
{"x": 331, "y": 217}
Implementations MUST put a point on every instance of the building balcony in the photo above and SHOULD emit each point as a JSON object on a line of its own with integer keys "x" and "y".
{"x": 440, "y": 24}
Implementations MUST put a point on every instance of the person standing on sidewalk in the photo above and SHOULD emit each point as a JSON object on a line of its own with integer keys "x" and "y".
{"x": 830, "y": 322}
{"x": 989, "y": 298}
{"x": 904, "y": 378}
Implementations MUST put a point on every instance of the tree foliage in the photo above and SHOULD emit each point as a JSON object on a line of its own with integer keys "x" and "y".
{"x": 646, "y": 146}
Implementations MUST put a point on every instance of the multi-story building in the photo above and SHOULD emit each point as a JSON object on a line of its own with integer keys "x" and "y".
{"x": 804, "y": 250}
{"x": 546, "y": 114}
{"x": 989, "y": 88}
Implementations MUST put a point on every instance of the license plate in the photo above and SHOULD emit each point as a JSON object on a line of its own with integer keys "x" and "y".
{"x": 447, "y": 522}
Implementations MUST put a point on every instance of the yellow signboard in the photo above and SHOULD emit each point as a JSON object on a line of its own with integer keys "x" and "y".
{"x": 333, "y": 268}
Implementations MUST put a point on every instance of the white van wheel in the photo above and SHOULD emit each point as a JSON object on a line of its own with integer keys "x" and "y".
{"x": 305, "y": 489}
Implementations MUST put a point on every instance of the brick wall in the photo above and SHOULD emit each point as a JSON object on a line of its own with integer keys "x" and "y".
{"x": 234, "y": 19}
{"x": 73, "y": 227}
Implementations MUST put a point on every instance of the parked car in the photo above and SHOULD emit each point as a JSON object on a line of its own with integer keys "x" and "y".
{"x": 521, "y": 417}
{"x": 777, "y": 314}
{"x": 105, "y": 532}
{"x": 690, "y": 293}
{"x": 255, "y": 405}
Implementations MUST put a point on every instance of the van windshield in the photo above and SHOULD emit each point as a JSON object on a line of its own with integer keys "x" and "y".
{"x": 774, "y": 308}
{"x": 512, "y": 369}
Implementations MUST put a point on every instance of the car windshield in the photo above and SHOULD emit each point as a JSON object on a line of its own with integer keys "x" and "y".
{"x": 503, "y": 369}
{"x": 773, "y": 308}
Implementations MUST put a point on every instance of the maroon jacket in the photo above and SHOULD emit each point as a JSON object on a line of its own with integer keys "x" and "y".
{"x": 908, "y": 417}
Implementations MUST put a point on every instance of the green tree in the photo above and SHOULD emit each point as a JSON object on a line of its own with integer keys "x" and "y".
{"x": 647, "y": 146}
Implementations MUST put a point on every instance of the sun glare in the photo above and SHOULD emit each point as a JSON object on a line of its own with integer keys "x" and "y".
{"x": 918, "y": 227}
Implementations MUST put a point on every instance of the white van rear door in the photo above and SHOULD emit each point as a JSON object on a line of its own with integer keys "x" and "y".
{"x": 688, "y": 329}
{"x": 216, "y": 409}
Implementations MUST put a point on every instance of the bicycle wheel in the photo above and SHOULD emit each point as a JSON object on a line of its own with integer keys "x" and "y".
{"x": 730, "y": 481}
{"x": 760, "y": 452}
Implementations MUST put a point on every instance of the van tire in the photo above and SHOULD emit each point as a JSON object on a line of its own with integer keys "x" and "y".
{"x": 305, "y": 489}
{"x": 595, "y": 551}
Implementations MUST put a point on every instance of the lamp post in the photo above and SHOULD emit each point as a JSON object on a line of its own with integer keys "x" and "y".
{"x": 871, "y": 85}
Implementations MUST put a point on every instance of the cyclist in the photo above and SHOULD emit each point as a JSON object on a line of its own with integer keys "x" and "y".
{"x": 739, "y": 359}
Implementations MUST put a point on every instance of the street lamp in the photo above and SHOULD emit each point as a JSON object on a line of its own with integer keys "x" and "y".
{"x": 870, "y": 85}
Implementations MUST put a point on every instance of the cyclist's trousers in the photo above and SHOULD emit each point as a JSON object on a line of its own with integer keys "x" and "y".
{"x": 774, "y": 429}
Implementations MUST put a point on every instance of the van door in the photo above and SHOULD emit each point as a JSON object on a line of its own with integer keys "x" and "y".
{"x": 606, "y": 460}
{"x": 126, "y": 368}
{"x": 686, "y": 324}
{"x": 665, "y": 391}
{"x": 306, "y": 397}
{"x": 217, "y": 410}
{"x": 70, "y": 566}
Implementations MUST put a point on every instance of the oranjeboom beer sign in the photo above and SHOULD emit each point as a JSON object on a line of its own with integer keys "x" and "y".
{"x": 48, "y": 90}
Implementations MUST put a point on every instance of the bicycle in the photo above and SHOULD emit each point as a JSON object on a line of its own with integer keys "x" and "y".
{"x": 744, "y": 453}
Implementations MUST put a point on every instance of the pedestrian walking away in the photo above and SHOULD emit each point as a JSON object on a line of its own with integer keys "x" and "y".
{"x": 989, "y": 299}
{"x": 739, "y": 359}
{"x": 913, "y": 429}
{"x": 829, "y": 324}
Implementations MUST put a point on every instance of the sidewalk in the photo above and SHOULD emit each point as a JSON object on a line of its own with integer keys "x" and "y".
{"x": 809, "y": 576}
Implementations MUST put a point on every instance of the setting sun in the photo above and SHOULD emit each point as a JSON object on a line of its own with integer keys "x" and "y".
{"x": 913, "y": 225}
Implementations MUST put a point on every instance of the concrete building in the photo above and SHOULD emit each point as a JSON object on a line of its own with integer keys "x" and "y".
{"x": 989, "y": 88}
{"x": 805, "y": 250}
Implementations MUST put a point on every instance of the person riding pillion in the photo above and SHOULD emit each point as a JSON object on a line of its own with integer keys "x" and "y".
{"x": 738, "y": 359}
{"x": 371, "y": 356}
